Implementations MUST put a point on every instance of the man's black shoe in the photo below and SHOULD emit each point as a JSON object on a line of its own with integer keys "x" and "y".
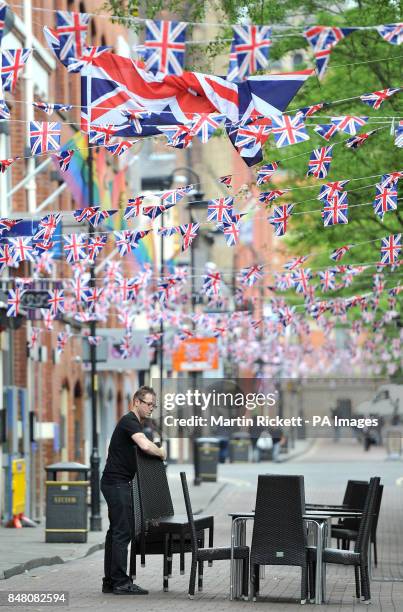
{"x": 107, "y": 587}
{"x": 129, "y": 589}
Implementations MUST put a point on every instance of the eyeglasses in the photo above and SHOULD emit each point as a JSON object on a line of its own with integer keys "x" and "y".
{"x": 149, "y": 404}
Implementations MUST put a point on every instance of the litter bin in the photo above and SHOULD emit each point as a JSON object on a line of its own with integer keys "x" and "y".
{"x": 206, "y": 459}
{"x": 239, "y": 447}
{"x": 66, "y": 503}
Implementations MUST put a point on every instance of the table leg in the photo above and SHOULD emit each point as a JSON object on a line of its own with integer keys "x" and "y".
{"x": 238, "y": 536}
{"x": 211, "y": 541}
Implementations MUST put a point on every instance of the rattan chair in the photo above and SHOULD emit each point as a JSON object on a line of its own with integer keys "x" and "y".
{"x": 199, "y": 555}
{"x": 359, "y": 556}
{"x": 157, "y": 530}
{"x": 279, "y": 532}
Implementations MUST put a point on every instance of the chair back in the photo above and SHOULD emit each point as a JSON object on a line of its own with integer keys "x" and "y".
{"x": 279, "y": 534}
{"x": 377, "y": 512}
{"x": 189, "y": 512}
{"x": 366, "y": 522}
{"x": 354, "y": 497}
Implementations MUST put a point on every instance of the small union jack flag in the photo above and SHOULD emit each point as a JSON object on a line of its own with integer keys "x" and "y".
{"x": 376, "y": 98}
{"x": 326, "y": 131}
{"x": 174, "y": 196}
{"x": 50, "y": 108}
{"x": 6, "y": 258}
{"x": 128, "y": 240}
{"x": 95, "y": 246}
{"x": 249, "y": 276}
{"x": 335, "y": 210}
{"x": 154, "y": 338}
{"x": 89, "y": 54}
{"x": 399, "y": 135}
{"x": 340, "y": 252}
{"x": 12, "y": 64}
{"x": 391, "y": 247}
{"x": 71, "y": 30}
{"x": 166, "y": 232}
{"x": 319, "y": 162}
{"x": 35, "y": 333}
{"x": 179, "y": 136}
{"x": 295, "y": 262}
{"x": 220, "y": 210}
{"x": 355, "y": 142}
{"x": 269, "y": 196}
{"x": 251, "y": 134}
{"x": 47, "y": 226}
{"x": 119, "y": 148}
{"x": 327, "y": 280}
{"x": 155, "y": 211}
{"x": 56, "y": 301}
{"x": 280, "y": 217}
{"x": 164, "y": 46}
{"x": 392, "y": 33}
{"x": 289, "y": 130}
{"x": 225, "y": 180}
{"x": 391, "y": 179}
{"x": 322, "y": 40}
{"x": 265, "y": 173}
{"x": 22, "y": 249}
{"x": 385, "y": 200}
{"x": 328, "y": 190}
{"x": 64, "y": 158}
{"x": 286, "y": 315}
{"x": 308, "y": 111}
{"x": 75, "y": 247}
{"x": 102, "y": 134}
{"x": 62, "y": 339}
{"x": 7, "y": 224}
{"x": 349, "y": 124}
{"x": 251, "y": 45}
{"x": 96, "y": 216}
{"x": 212, "y": 283}
{"x": 189, "y": 232}
{"x": 44, "y": 137}
{"x": 300, "y": 279}
{"x": 135, "y": 207}
{"x": 204, "y": 125}
{"x": 6, "y": 163}
{"x": 4, "y": 110}
{"x": 14, "y": 302}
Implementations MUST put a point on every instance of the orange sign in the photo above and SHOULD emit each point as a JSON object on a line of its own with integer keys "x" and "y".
{"x": 196, "y": 355}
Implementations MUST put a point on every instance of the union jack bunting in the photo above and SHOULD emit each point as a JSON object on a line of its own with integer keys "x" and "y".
{"x": 35, "y": 333}
{"x": 94, "y": 340}
{"x": 95, "y": 246}
{"x": 327, "y": 280}
{"x": 93, "y": 296}
{"x": 268, "y": 196}
{"x": 289, "y": 130}
{"x": 89, "y": 54}
{"x": 7, "y": 224}
{"x": 22, "y": 249}
{"x": 253, "y": 134}
{"x": 6, "y": 258}
{"x": 385, "y": 200}
{"x": 3, "y": 10}
{"x": 166, "y": 232}
{"x": 47, "y": 226}
{"x": 71, "y": 29}
{"x": 64, "y": 158}
{"x": 75, "y": 247}
{"x": 50, "y": 108}
{"x": 335, "y": 210}
{"x": 251, "y": 45}
{"x": 14, "y": 302}
{"x": 280, "y": 217}
{"x": 319, "y": 162}
{"x": 154, "y": 338}
{"x": 62, "y": 339}
{"x": 308, "y": 111}
{"x": 399, "y": 135}
{"x": 212, "y": 283}
{"x": 128, "y": 240}
{"x": 135, "y": 207}
{"x": 6, "y": 163}
{"x": 357, "y": 141}
{"x": 43, "y": 247}
{"x": 349, "y": 124}
{"x": 155, "y": 211}
{"x": 179, "y": 136}
{"x": 391, "y": 247}
{"x": 119, "y": 148}
{"x": 300, "y": 279}
{"x": 12, "y": 64}
{"x": 204, "y": 125}
{"x": 295, "y": 262}
{"x": 326, "y": 131}
{"x": 44, "y": 137}
{"x": 225, "y": 180}
{"x": 220, "y": 210}
{"x": 322, "y": 40}
{"x": 340, "y": 252}
{"x": 96, "y": 216}
{"x": 391, "y": 178}
{"x": 164, "y": 46}
{"x": 286, "y": 315}
{"x": 56, "y": 301}
{"x": 328, "y": 190}
{"x": 392, "y": 33}
{"x": 189, "y": 232}
{"x": 265, "y": 173}
{"x": 129, "y": 289}
{"x": 102, "y": 134}
{"x": 174, "y": 196}
{"x": 4, "y": 110}
{"x": 249, "y": 276}
{"x": 376, "y": 98}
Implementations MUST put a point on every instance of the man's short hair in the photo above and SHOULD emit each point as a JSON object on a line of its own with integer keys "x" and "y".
{"x": 142, "y": 392}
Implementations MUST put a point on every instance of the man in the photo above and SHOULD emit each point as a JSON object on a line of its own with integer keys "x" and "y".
{"x": 116, "y": 483}
{"x": 278, "y": 440}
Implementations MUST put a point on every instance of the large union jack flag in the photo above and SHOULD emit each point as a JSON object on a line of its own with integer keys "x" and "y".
{"x": 44, "y": 137}
{"x": 392, "y": 33}
{"x": 289, "y": 130}
{"x": 376, "y": 98}
{"x": 385, "y": 200}
{"x": 391, "y": 247}
{"x": 204, "y": 125}
{"x": 12, "y": 64}
{"x": 220, "y": 210}
{"x": 265, "y": 173}
{"x": 349, "y": 124}
{"x": 335, "y": 210}
{"x": 164, "y": 46}
{"x": 71, "y": 29}
{"x": 280, "y": 217}
{"x": 251, "y": 45}
{"x": 319, "y": 162}
{"x": 322, "y": 39}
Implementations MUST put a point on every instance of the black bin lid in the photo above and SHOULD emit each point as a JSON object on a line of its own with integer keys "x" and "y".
{"x": 67, "y": 466}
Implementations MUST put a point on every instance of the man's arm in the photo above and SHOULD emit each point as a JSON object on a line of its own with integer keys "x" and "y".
{"x": 148, "y": 447}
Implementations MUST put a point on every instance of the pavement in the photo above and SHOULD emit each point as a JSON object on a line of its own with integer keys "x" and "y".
{"x": 326, "y": 466}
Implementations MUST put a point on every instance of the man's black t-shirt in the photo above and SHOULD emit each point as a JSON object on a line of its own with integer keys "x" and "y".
{"x": 120, "y": 464}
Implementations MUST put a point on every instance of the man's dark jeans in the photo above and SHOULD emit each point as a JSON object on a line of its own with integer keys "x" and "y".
{"x": 120, "y": 511}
